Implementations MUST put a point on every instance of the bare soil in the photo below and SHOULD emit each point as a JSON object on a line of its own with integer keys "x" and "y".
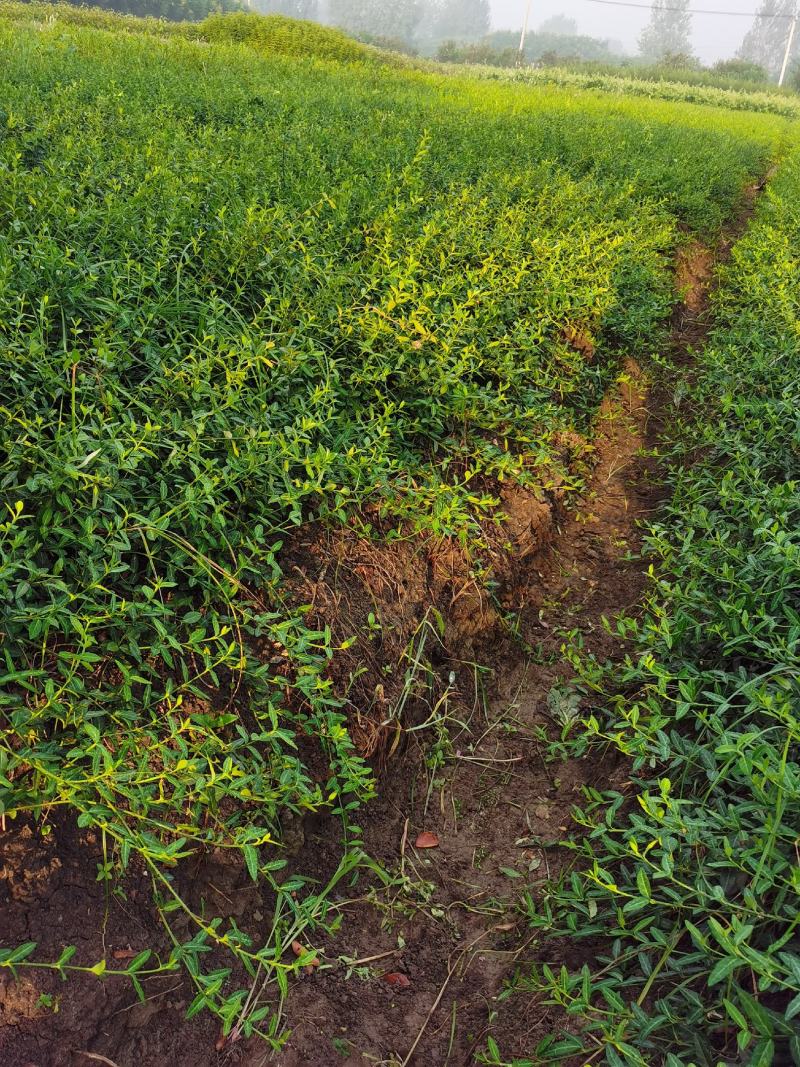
{"x": 451, "y": 921}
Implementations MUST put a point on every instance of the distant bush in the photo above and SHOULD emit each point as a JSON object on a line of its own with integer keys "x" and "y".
{"x": 677, "y": 61}
{"x": 388, "y": 43}
{"x": 741, "y": 68}
{"x": 480, "y": 53}
{"x": 575, "y": 46}
{"x": 552, "y": 58}
{"x": 501, "y": 49}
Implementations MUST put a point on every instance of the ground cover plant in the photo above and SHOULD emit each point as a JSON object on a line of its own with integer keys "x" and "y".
{"x": 631, "y": 83}
{"x": 689, "y": 891}
{"x": 71, "y": 14}
{"x": 244, "y": 288}
{"x": 727, "y": 74}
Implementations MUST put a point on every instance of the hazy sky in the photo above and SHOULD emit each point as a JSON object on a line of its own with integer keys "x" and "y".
{"x": 715, "y": 36}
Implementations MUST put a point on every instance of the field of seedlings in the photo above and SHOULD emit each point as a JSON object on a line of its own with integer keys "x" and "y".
{"x": 345, "y": 407}
{"x": 746, "y": 99}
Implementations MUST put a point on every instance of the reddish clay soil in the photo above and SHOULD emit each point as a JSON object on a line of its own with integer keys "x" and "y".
{"x": 451, "y": 920}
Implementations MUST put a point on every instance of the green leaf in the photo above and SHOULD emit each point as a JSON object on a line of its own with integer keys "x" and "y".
{"x": 735, "y": 1015}
{"x": 66, "y": 956}
{"x": 756, "y": 1013}
{"x": 197, "y": 1005}
{"x": 509, "y": 872}
{"x": 724, "y": 967}
{"x": 793, "y": 1008}
{"x": 251, "y": 859}
{"x": 10, "y": 957}
{"x": 763, "y": 1054}
{"x": 139, "y": 961}
{"x": 643, "y": 884}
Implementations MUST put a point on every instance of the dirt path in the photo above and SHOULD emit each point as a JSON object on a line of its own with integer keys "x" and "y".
{"x": 452, "y": 922}
{"x": 412, "y": 975}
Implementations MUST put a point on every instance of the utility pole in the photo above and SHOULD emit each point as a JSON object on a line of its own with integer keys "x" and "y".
{"x": 521, "y": 54}
{"x": 789, "y": 43}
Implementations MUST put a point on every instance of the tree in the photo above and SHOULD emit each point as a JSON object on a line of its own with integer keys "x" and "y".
{"x": 542, "y": 43}
{"x": 669, "y": 32}
{"x": 296, "y": 9}
{"x": 375, "y": 17}
{"x": 463, "y": 19}
{"x": 765, "y": 41}
{"x": 560, "y": 26}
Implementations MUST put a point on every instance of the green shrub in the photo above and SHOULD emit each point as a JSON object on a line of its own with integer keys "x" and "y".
{"x": 477, "y": 53}
{"x": 744, "y": 69}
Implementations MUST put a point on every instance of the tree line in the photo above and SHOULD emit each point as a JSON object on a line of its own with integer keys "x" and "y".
{"x": 404, "y": 21}
{"x": 668, "y": 35}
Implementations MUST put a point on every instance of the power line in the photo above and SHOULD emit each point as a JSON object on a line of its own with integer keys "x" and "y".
{"x": 691, "y": 11}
